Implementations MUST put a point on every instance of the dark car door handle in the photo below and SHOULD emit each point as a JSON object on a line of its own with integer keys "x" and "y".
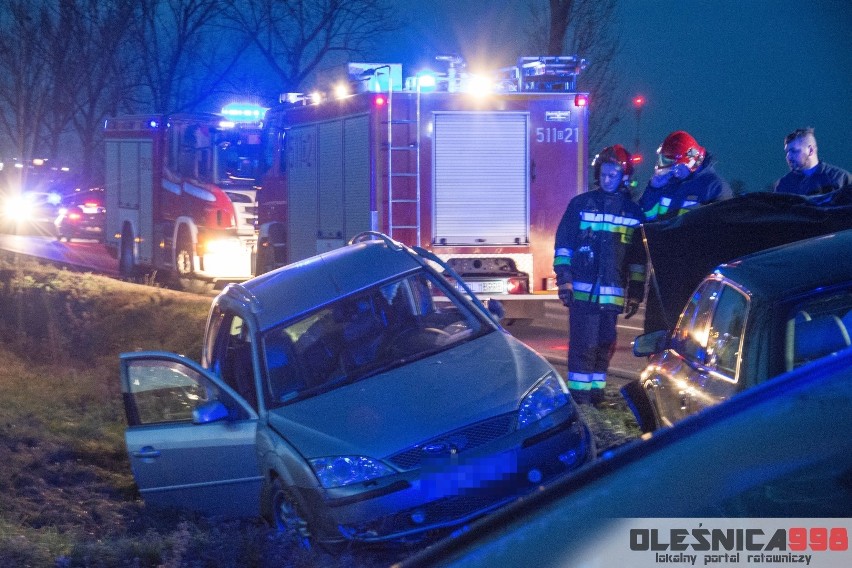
{"x": 147, "y": 453}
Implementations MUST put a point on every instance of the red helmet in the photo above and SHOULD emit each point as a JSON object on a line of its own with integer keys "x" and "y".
{"x": 616, "y": 155}
{"x": 680, "y": 148}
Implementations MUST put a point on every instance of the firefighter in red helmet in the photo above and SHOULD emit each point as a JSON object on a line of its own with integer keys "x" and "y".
{"x": 684, "y": 178}
{"x": 600, "y": 270}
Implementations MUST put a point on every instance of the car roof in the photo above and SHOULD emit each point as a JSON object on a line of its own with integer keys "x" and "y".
{"x": 790, "y": 269}
{"x": 299, "y": 287}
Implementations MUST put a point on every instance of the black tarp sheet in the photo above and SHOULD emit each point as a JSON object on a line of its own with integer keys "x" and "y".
{"x": 684, "y": 250}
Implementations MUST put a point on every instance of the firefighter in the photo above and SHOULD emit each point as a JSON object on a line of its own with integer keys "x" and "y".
{"x": 600, "y": 270}
{"x": 684, "y": 178}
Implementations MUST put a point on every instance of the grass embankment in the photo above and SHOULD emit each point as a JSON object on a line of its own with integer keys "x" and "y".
{"x": 67, "y": 496}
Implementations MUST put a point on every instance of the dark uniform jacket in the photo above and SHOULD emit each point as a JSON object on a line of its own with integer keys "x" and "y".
{"x": 681, "y": 195}
{"x": 824, "y": 179}
{"x": 600, "y": 251}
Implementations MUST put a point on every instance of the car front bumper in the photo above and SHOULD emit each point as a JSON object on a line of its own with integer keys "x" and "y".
{"x": 441, "y": 495}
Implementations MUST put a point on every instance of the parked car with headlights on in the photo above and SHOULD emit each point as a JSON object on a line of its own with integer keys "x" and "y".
{"x": 356, "y": 396}
{"x": 81, "y": 216}
{"x": 31, "y": 211}
{"x": 751, "y": 319}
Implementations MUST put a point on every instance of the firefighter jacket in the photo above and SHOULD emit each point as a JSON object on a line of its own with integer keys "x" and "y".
{"x": 824, "y": 179}
{"x": 600, "y": 251}
{"x": 678, "y": 196}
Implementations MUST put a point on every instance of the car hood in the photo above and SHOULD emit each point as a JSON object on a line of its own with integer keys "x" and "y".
{"x": 386, "y": 413}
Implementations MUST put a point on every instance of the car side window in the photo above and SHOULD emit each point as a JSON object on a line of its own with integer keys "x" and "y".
{"x": 818, "y": 327}
{"x": 726, "y": 330}
{"x": 164, "y": 391}
{"x": 690, "y": 336}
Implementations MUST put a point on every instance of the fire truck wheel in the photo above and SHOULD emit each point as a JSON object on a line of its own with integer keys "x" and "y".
{"x": 184, "y": 260}
{"x": 126, "y": 262}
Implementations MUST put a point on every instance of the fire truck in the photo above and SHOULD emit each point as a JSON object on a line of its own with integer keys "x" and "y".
{"x": 476, "y": 168}
{"x": 180, "y": 194}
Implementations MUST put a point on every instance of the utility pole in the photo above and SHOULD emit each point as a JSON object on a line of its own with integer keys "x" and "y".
{"x": 638, "y": 104}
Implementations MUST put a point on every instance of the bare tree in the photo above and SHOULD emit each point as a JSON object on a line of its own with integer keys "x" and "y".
{"x": 105, "y": 87}
{"x": 296, "y": 38}
{"x": 24, "y": 76}
{"x": 585, "y": 28}
{"x": 184, "y": 51}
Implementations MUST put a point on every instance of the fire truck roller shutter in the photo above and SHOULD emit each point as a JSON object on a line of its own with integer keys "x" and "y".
{"x": 481, "y": 162}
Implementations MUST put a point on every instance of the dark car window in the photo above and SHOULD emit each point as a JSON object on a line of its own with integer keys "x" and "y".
{"x": 362, "y": 334}
{"x": 691, "y": 334}
{"x": 727, "y": 330}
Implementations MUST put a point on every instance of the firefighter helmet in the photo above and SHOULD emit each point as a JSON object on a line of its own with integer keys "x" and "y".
{"x": 680, "y": 148}
{"x": 615, "y": 154}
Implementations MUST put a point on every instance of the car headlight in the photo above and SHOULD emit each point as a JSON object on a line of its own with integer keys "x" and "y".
{"x": 549, "y": 394}
{"x": 337, "y": 471}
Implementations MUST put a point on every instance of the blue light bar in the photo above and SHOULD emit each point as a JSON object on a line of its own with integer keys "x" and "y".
{"x": 243, "y": 112}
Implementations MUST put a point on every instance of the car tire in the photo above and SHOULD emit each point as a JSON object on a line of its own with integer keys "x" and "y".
{"x": 641, "y": 402}
{"x": 285, "y": 516}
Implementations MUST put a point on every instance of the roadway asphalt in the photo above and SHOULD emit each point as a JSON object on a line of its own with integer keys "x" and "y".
{"x": 549, "y": 336}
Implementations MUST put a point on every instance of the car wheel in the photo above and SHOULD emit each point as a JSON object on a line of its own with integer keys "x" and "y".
{"x": 286, "y": 517}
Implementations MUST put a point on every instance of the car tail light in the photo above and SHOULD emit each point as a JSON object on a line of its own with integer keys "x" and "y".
{"x": 74, "y": 216}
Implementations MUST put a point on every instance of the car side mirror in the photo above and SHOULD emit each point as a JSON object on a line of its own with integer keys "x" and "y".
{"x": 650, "y": 343}
{"x": 212, "y": 411}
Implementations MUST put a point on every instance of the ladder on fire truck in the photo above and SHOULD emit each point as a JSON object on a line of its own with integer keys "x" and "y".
{"x": 404, "y": 182}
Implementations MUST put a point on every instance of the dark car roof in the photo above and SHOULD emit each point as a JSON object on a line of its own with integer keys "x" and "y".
{"x": 788, "y": 270}
{"x": 684, "y": 249}
{"x": 296, "y": 288}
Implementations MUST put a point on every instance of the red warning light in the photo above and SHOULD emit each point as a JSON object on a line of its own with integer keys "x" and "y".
{"x": 581, "y": 100}
{"x": 379, "y": 100}
{"x": 636, "y": 158}
{"x": 639, "y": 101}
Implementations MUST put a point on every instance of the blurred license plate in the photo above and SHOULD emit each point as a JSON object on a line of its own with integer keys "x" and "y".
{"x": 488, "y": 287}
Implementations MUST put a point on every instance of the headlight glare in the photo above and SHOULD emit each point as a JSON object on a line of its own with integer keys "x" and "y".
{"x": 337, "y": 471}
{"x": 548, "y": 395}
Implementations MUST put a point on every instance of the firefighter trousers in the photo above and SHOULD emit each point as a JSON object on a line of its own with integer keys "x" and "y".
{"x": 591, "y": 344}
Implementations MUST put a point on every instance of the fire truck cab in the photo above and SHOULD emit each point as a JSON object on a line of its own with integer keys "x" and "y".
{"x": 476, "y": 168}
{"x": 180, "y": 193}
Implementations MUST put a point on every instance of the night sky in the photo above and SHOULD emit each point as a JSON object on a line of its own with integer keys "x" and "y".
{"x": 737, "y": 74}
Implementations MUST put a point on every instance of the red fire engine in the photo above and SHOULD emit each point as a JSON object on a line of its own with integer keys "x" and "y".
{"x": 180, "y": 193}
{"x": 477, "y": 169}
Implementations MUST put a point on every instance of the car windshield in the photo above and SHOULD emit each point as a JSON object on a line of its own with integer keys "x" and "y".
{"x": 363, "y": 334}
{"x": 238, "y": 157}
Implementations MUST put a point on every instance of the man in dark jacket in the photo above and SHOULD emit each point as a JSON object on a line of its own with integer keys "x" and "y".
{"x": 600, "y": 270}
{"x": 684, "y": 178}
{"x": 808, "y": 175}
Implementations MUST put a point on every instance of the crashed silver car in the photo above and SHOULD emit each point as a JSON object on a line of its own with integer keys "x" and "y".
{"x": 357, "y": 396}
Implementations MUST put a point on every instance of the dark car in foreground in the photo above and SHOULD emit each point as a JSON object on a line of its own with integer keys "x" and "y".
{"x": 356, "y": 396}
{"x": 779, "y": 454}
{"x": 751, "y": 319}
